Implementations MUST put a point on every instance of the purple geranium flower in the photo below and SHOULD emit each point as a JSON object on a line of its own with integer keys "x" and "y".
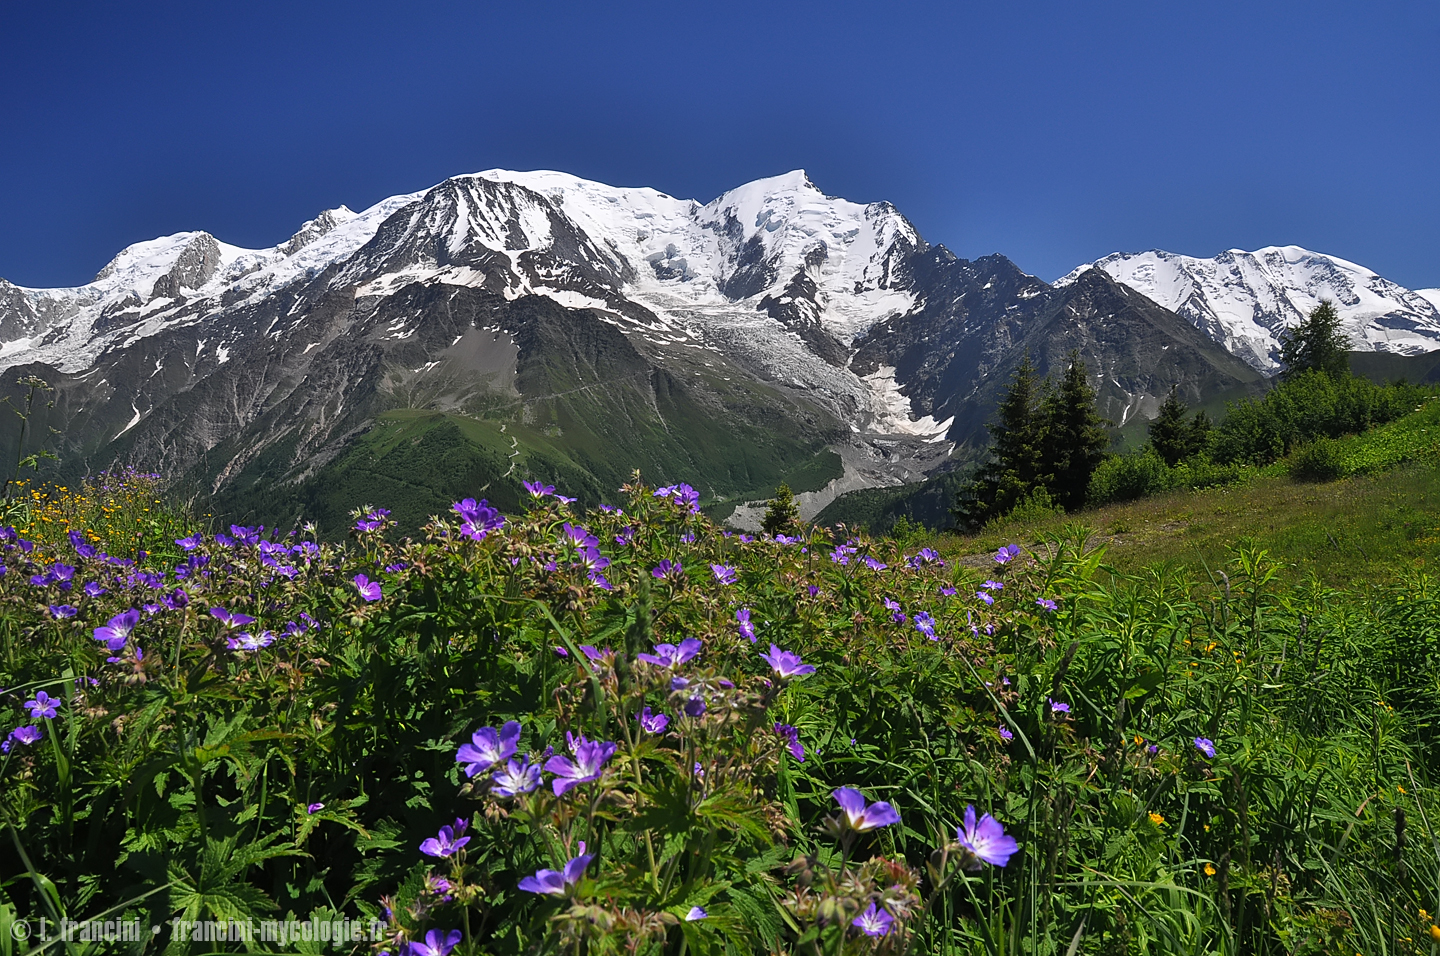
{"x": 589, "y": 762}
{"x": 372, "y": 520}
{"x": 986, "y": 840}
{"x": 1046, "y": 603}
{"x": 62, "y": 611}
{"x": 1005, "y": 733}
{"x": 742, "y": 618}
{"x": 436, "y": 943}
{"x": 696, "y": 912}
{"x": 250, "y": 642}
{"x": 231, "y": 619}
{"x": 449, "y": 841}
{"x": 667, "y": 570}
{"x": 552, "y": 882}
{"x": 116, "y": 631}
{"x": 369, "y": 590}
{"x": 792, "y": 740}
{"x": 874, "y": 921}
{"x": 694, "y": 707}
{"x": 786, "y": 664}
{"x": 190, "y": 543}
{"x": 488, "y": 747}
{"x": 861, "y": 816}
{"x": 538, "y": 489}
{"x": 652, "y": 723}
{"x": 723, "y": 573}
{"x": 925, "y": 624}
{"x": 1205, "y": 745}
{"x": 669, "y": 655}
{"x": 314, "y": 808}
{"x": 21, "y": 735}
{"x": 985, "y": 596}
{"x": 1007, "y": 554}
{"x": 42, "y": 705}
{"x": 515, "y": 778}
{"x": 993, "y": 585}
{"x": 1058, "y": 706}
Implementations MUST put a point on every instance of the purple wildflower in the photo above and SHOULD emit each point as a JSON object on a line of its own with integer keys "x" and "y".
{"x": 671, "y": 656}
{"x": 369, "y": 590}
{"x": 515, "y": 778}
{"x": 116, "y": 631}
{"x": 792, "y": 740}
{"x": 993, "y": 585}
{"x": 723, "y": 574}
{"x": 488, "y": 747}
{"x": 896, "y": 615}
{"x": 1058, "y": 706}
{"x": 449, "y": 841}
{"x": 1046, "y": 603}
{"x": 696, "y": 912}
{"x": 786, "y": 664}
{"x": 477, "y": 518}
{"x": 652, "y": 723}
{"x": 552, "y": 882}
{"x": 372, "y": 520}
{"x": 986, "y": 840}
{"x": 874, "y": 921}
{"x": 948, "y": 592}
{"x": 24, "y": 735}
{"x": 742, "y": 618}
{"x": 694, "y": 707}
{"x": 190, "y": 543}
{"x": 1205, "y": 745}
{"x": 231, "y": 619}
{"x": 538, "y": 489}
{"x": 589, "y": 762}
{"x": 62, "y": 611}
{"x": 436, "y": 943}
{"x": 42, "y": 705}
{"x": 250, "y": 642}
{"x": 93, "y": 589}
{"x": 861, "y": 816}
{"x": 985, "y": 596}
{"x": 314, "y": 808}
{"x": 925, "y": 624}
{"x": 1005, "y": 733}
{"x": 1007, "y": 554}
{"x": 667, "y": 570}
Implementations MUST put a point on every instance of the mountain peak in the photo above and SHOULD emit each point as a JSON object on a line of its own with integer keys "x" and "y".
{"x": 1246, "y": 299}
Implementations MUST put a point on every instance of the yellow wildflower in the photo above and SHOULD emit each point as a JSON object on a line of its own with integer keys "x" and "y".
{"x": 1435, "y": 933}
{"x": 1209, "y": 869}
{"x": 1156, "y": 819}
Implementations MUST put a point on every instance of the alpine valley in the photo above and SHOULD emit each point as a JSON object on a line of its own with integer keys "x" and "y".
{"x": 502, "y": 326}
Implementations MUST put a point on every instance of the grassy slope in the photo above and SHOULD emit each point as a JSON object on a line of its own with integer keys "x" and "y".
{"x": 1383, "y": 518}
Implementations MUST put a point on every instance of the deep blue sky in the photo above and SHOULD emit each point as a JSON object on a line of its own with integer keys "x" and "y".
{"x": 1053, "y": 132}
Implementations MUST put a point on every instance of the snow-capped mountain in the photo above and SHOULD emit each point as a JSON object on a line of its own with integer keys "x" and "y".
{"x": 512, "y": 323}
{"x": 1244, "y": 300}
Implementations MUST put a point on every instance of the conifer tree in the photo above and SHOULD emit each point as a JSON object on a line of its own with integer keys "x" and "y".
{"x": 1016, "y": 455}
{"x": 782, "y": 517}
{"x": 1074, "y": 434}
{"x": 1316, "y": 344}
{"x": 1169, "y": 431}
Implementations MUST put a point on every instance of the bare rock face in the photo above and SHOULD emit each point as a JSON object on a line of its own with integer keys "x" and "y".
{"x": 194, "y": 267}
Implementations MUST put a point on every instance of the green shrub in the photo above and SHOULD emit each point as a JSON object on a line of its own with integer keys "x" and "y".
{"x": 1320, "y": 460}
{"x": 1127, "y": 477}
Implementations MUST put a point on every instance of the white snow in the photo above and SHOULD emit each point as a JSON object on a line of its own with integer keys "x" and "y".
{"x": 1245, "y": 300}
{"x": 893, "y": 412}
{"x": 1430, "y": 295}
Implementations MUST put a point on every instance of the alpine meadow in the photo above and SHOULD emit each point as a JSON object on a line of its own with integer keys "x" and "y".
{"x": 466, "y": 490}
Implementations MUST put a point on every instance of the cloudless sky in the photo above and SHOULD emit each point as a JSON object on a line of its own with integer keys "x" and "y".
{"x": 1052, "y": 132}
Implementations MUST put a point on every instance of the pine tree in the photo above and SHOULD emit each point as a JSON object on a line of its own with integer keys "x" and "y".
{"x": 1169, "y": 431}
{"x": 1199, "y": 435}
{"x": 782, "y": 516}
{"x": 1075, "y": 438}
{"x": 1016, "y": 459}
{"x": 1316, "y": 344}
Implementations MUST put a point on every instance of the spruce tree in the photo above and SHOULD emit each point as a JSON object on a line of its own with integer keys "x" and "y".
{"x": 1169, "y": 431}
{"x": 1074, "y": 434}
{"x": 1016, "y": 457}
{"x": 782, "y": 517}
{"x": 1316, "y": 344}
